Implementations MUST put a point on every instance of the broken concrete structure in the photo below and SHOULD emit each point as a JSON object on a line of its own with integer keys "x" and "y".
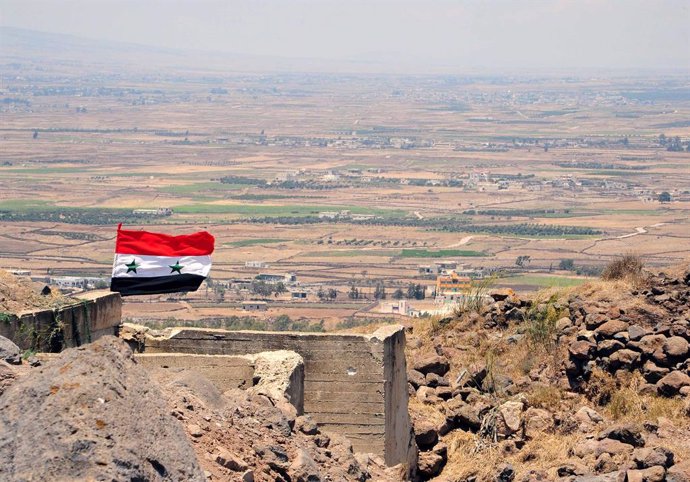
{"x": 355, "y": 385}
{"x": 93, "y": 315}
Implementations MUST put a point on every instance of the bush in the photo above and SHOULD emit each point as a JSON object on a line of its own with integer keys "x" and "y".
{"x": 629, "y": 266}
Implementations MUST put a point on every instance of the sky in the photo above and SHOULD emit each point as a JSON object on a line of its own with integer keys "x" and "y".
{"x": 415, "y": 35}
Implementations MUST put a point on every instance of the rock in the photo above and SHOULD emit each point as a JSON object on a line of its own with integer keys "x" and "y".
{"x": 610, "y": 328}
{"x": 581, "y": 350}
{"x": 427, "y": 395}
{"x": 679, "y": 472}
{"x": 593, "y": 320}
{"x": 416, "y": 378}
{"x": 9, "y": 351}
{"x": 649, "y": 457}
{"x": 676, "y": 347}
{"x": 195, "y": 430}
{"x": 650, "y": 343}
{"x": 607, "y": 347}
{"x": 505, "y": 473}
{"x": 612, "y": 447}
{"x": 635, "y": 332}
{"x": 306, "y": 425}
{"x": 444, "y": 393}
{"x": 303, "y": 468}
{"x": 626, "y": 433}
{"x": 430, "y": 464}
{"x": 653, "y": 373}
{"x": 248, "y": 476}
{"x": 229, "y": 460}
{"x": 625, "y": 359}
{"x": 586, "y": 414}
{"x": 432, "y": 364}
{"x": 431, "y": 380}
{"x": 672, "y": 383}
{"x": 605, "y": 463}
{"x": 537, "y": 421}
{"x": 608, "y": 477}
{"x": 511, "y": 412}
{"x": 55, "y": 415}
{"x": 652, "y": 474}
{"x": 463, "y": 415}
{"x": 425, "y": 434}
{"x": 562, "y": 324}
{"x": 574, "y": 468}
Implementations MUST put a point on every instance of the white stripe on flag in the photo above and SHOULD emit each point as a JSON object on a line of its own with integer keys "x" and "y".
{"x": 150, "y": 266}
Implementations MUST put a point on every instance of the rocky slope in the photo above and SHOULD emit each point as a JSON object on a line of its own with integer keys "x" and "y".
{"x": 591, "y": 384}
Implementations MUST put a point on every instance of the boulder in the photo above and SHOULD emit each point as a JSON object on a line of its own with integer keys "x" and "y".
{"x": 9, "y": 351}
{"x": 593, "y": 320}
{"x": 430, "y": 464}
{"x": 612, "y": 447}
{"x": 626, "y": 433}
{"x": 671, "y": 384}
{"x": 610, "y": 328}
{"x": 652, "y": 474}
{"x": 511, "y": 413}
{"x": 607, "y": 347}
{"x": 432, "y": 364}
{"x": 676, "y": 347}
{"x": 416, "y": 378}
{"x": 625, "y": 359}
{"x": 425, "y": 434}
{"x": 652, "y": 372}
{"x": 650, "y": 343}
{"x": 581, "y": 350}
{"x": 303, "y": 468}
{"x": 229, "y": 460}
{"x": 679, "y": 472}
{"x": 505, "y": 473}
{"x": 649, "y": 457}
{"x": 635, "y": 332}
{"x": 588, "y": 415}
{"x": 92, "y": 410}
{"x": 537, "y": 421}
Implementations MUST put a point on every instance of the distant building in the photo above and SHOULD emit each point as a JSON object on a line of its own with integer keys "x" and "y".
{"x": 254, "y": 305}
{"x": 277, "y": 278}
{"x": 299, "y": 295}
{"x": 77, "y": 282}
{"x": 452, "y": 283}
{"x": 363, "y": 217}
{"x": 328, "y": 214}
{"x": 400, "y": 307}
{"x": 20, "y": 272}
{"x": 255, "y": 264}
{"x": 154, "y": 212}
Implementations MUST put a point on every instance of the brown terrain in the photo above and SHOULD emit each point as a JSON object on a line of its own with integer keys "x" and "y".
{"x": 584, "y": 384}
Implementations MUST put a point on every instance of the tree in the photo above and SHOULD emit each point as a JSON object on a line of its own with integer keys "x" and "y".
{"x": 280, "y": 288}
{"x": 35, "y": 136}
{"x": 380, "y": 291}
{"x": 566, "y": 264}
{"x": 419, "y": 292}
{"x": 321, "y": 293}
{"x": 410, "y": 291}
{"x": 665, "y": 197}
{"x": 332, "y": 293}
{"x": 398, "y": 294}
{"x": 354, "y": 292}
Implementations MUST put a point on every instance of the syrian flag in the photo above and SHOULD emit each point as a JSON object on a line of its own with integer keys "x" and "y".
{"x": 152, "y": 263}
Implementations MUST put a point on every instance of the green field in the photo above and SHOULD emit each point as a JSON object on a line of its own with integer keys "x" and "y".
{"x": 441, "y": 253}
{"x": 545, "y": 281}
{"x": 253, "y": 242}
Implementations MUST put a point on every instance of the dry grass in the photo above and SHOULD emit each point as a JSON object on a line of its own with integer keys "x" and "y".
{"x": 627, "y": 267}
{"x": 470, "y": 455}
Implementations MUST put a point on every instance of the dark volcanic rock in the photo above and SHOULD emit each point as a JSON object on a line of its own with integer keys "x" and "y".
{"x": 92, "y": 412}
{"x": 432, "y": 364}
{"x": 9, "y": 351}
{"x": 625, "y": 433}
{"x": 672, "y": 383}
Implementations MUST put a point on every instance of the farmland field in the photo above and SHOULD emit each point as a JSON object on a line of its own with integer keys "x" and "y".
{"x": 342, "y": 180}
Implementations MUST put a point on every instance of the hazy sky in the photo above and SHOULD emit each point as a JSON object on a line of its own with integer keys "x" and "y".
{"x": 421, "y": 34}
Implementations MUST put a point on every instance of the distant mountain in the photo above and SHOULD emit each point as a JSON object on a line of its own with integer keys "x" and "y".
{"x": 19, "y": 45}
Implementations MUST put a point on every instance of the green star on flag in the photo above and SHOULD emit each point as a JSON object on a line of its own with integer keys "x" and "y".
{"x": 176, "y": 267}
{"x": 132, "y": 266}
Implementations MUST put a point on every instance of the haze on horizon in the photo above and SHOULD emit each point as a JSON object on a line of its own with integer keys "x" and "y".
{"x": 411, "y": 36}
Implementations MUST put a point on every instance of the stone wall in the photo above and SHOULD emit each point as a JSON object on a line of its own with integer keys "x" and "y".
{"x": 355, "y": 385}
{"x": 93, "y": 315}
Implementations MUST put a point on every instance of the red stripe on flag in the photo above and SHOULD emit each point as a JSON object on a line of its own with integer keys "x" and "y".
{"x": 159, "y": 244}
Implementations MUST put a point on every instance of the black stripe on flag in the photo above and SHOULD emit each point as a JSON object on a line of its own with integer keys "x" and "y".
{"x": 156, "y": 285}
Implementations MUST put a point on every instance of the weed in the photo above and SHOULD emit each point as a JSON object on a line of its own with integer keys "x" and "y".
{"x": 474, "y": 298}
{"x": 629, "y": 266}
